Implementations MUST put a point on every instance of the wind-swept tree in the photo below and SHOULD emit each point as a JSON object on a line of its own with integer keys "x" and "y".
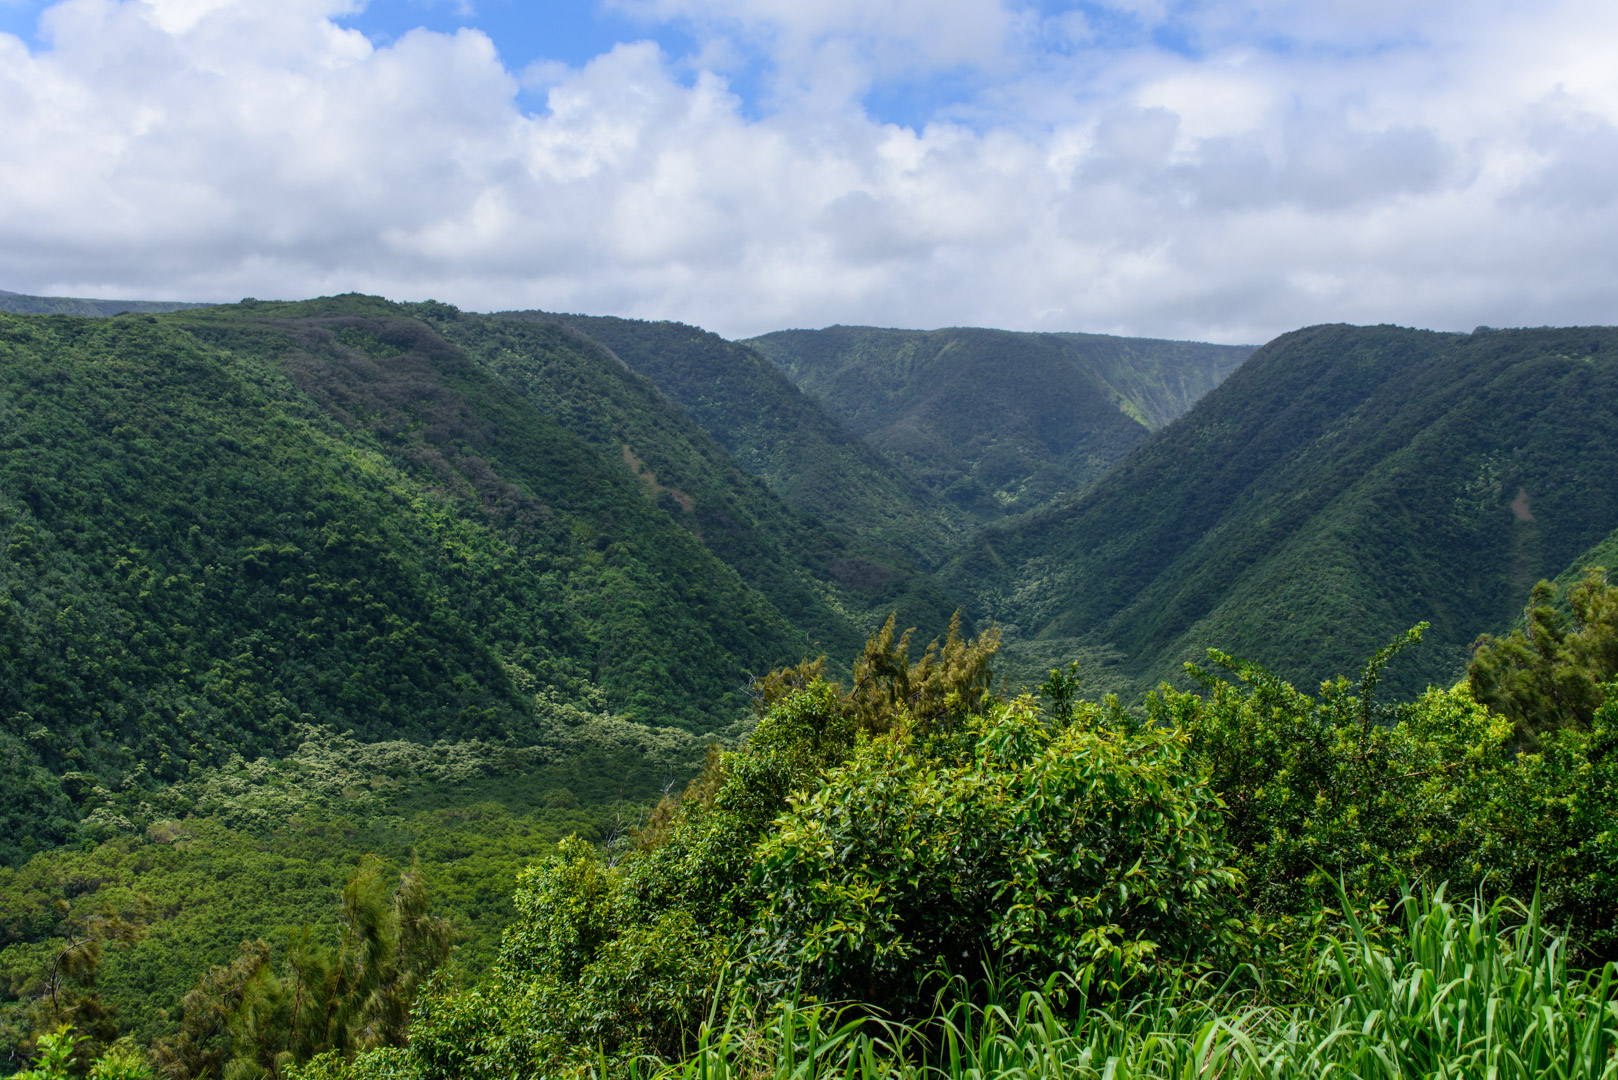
{"x": 1548, "y": 674}
{"x": 247, "y": 1020}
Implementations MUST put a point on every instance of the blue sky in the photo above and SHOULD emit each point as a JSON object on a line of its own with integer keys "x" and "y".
{"x": 1183, "y": 168}
{"x": 570, "y": 33}
{"x": 575, "y": 32}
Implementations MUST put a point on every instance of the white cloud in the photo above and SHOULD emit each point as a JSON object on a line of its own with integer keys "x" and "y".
{"x": 909, "y": 32}
{"x": 1440, "y": 165}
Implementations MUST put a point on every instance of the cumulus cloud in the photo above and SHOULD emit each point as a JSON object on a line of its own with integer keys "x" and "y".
{"x": 1286, "y": 163}
{"x": 859, "y": 39}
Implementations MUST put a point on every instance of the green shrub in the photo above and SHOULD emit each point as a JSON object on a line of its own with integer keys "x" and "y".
{"x": 1548, "y": 825}
{"x": 703, "y": 862}
{"x": 1335, "y": 789}
{"x": 1038, "y": 850}
{"x": 575, "y": 979}
{"x": 121, "y": 1062}
{"x": 382, "y": 1063}
{"x": 54, "y": 1051}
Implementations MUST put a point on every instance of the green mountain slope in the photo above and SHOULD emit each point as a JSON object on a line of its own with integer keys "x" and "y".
{"x": 807, "y": 457}
{"x": 220, "y": 524}
{"x": 997, "y": 422}
{"x": 1604, "y": 553}
{"x": 23, "y": 304}
{"x": 831, "y": 586}
{"x": 1346, "y": 483}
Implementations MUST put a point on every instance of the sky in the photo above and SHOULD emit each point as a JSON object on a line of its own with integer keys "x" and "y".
{"x": 1218, "y": 171}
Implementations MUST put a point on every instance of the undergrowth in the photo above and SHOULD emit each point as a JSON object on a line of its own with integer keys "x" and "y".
{"x": 1465, "y": 990}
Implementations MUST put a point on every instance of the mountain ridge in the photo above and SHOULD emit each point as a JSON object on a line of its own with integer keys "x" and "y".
{"x": 25, "y": 304}
{"x": 810, "y": 459}
{"x": 1346, "y": 476}
{"x": 998, "y": 422}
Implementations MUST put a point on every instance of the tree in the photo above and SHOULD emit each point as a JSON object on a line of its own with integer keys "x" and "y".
{"x": 1548, "y": 674}
{"x": 1080, "y": 848}
{"x": 55, "y": 982}
{"x": 949, "y": 681}
{"x": 246, "y": 1020}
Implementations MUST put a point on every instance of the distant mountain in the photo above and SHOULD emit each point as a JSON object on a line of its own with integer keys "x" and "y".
{"x": 807, "y": 457}
{"x": 1344, "y": 484}
{"x": 22, "y": 304}
{"x": 997, "y": 422}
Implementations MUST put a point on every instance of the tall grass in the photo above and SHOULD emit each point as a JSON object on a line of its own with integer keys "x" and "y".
{"x": 1463, "y": 991}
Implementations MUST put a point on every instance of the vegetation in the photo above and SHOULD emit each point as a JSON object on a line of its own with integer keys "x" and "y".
{"x": 993, "y": 422}
{"x": 232, "y": 536}
{"x": 1461, "y": 990}
{"x": 248, "y": 1019}
{"x": 261, "y": 849}
{"x": 1346, "y": 483}
{"x": 777, "y": 432}
{"x": 22, "y": 304}
{"x": 224, "y": 524}
{"x": 814, "y": 577}
{"x": 1228, "y": 877}
{"x": 392, "y": 692}
{"x": 1548, "y": 675}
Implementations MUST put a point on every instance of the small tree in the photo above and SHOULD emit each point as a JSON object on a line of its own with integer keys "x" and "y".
{"x": 1549, "y": 674}
{"x": 248, "y": 1020}
{"x": 951, "y": 680}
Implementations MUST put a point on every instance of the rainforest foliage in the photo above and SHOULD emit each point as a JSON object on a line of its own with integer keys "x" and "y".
{"x": 390, "y": 691}
{"x": 1346, "y": 483}
{"x": 813, "y": 461}
{"x": 992, "y": 422}
{"x": 916, "y": 835}
{"x": 220, "y": 525}
{"x": 866, "y": 845}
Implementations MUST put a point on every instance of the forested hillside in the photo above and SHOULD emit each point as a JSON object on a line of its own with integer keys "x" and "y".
{"x": 223, "y": 523}
{"x": 996, "y": 422}
{"x": 827, "y": 582}
{"x": 389, "y": 692}
{"x": 23, "y": 304}
{"x": 814, "y": 462}
{"x": 1345, "y": 483}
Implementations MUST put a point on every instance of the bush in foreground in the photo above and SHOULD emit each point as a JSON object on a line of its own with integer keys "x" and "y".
{"x": 1457, "y": 991}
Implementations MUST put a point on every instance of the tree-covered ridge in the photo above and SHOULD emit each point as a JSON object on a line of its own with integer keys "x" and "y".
{"x": 23, "y": 304}
{"x": 997, "y": 422}
{"x": 807, "y": 457}
{"x": 1604, "y": 553}
{"x": 224, "y": 523}
{"x": 540, "y": 472}
{"x": 1345, "y": 482}
{"x": 829, "y": 584}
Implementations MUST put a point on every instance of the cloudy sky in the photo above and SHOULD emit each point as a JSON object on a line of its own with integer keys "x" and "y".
{"x": 1215, "y": 170}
